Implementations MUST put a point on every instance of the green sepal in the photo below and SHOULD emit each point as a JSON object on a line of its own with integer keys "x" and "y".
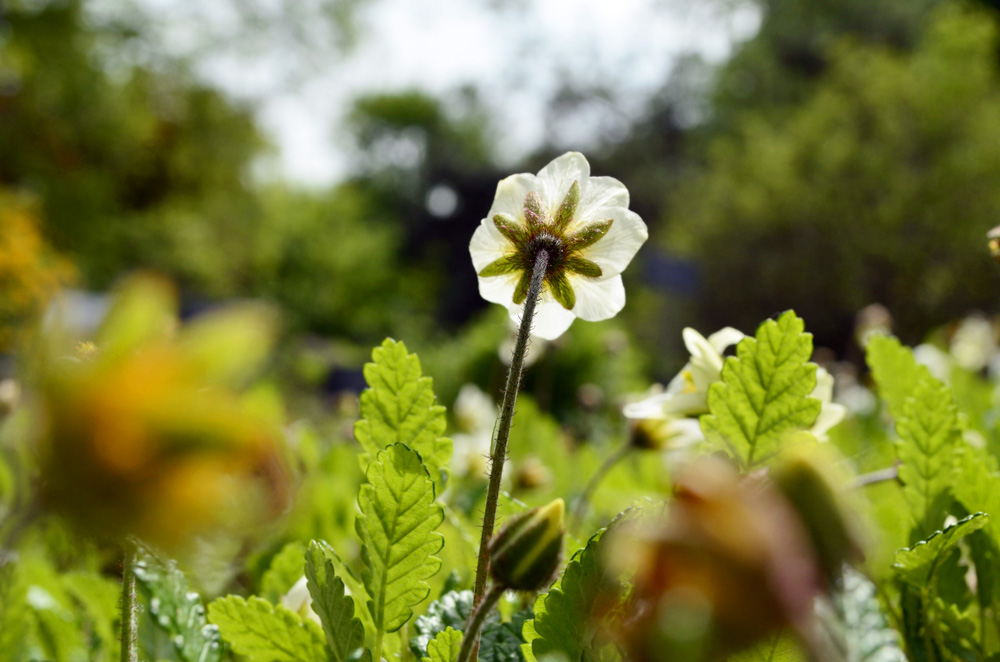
{"x": 513, "y": 231}
{"x": 523, "y": 287}
{"x": 567, "y": 209}
{"x": 561, "y": 289}
{"x": 499, "y": 267}
{"x": 584, "y": 267}
{"x": 534, "y": 214}
{"x": 589, "y": 235}
{"x": 525, "y": 554}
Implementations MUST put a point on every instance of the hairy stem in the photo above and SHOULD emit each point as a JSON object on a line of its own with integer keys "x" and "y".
{"x": 499, "y": 453}
{"x": 580, "y": 505}
{"x": 880, "y": 476}
{"x": 474, "y": 626}
{"x": 130, "y": 621}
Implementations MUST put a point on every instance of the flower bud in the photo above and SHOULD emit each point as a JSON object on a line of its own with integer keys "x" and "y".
{"x": 525, "y": 553}
{"x": 809, "y": 482}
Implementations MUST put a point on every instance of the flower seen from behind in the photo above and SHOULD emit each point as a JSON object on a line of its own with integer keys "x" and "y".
{"x": 584, "y": 225}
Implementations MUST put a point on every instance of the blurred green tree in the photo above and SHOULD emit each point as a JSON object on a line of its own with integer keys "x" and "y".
{"x": 879, "y": 187}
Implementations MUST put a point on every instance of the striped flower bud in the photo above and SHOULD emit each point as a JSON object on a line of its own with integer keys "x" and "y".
{"x": 525, "y": 553}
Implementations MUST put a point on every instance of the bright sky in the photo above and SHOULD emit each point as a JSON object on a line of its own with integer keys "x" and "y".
{"x": 516, "y": 57}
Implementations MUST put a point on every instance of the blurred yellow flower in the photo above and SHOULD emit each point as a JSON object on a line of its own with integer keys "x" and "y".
{"x": 145, "y": 431}
{"x": 30, "y": 273}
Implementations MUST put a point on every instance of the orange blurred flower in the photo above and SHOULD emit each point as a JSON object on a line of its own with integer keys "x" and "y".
{"x": 146, "y": 432}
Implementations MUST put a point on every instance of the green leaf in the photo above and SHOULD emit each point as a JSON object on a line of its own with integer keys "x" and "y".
{"x": 450, "y": 611}
{"x": 562, "y": 625}
{"x": 444, "y": 647}
{"x": 856, "y": 623}
{"x": 13, "y": 614}
{"x": 287, "y": 567}
{"x": 928, "y": 438}
{"x": 764, "y": 392}
{"x": 177, "y": 609}
{"x": 895, "y": 370}
{"x": 397, "y": 530}
{"x": 399, "y": 407}
{"x": 344, "y": 633}
{"x": 916, "y": 565}
{"x": 781, "y": 647}
{"x": 501, "y": 641}
{"x": 262, "y": 632}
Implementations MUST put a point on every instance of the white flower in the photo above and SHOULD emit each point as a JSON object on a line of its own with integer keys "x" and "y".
{"x": 974, "y": 343}
{"x": 584, "y": 224}
{"x": 831, "y": 412}
{"x": 299, "y": 600}
{"x": 475, "y": 415}
{"x": 687, "y": 393}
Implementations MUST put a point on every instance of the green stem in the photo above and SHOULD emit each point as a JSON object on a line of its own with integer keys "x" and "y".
{"x": 499, "y": 454}
{"x": 130, "y": 620}
{"x": 474, "y": 626}
{"x": 580, "y": 505}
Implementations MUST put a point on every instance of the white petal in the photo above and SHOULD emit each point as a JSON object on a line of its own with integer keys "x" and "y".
{"x": 511, "y": 191}
{"x": 597, "y": 299}
{"x": 829, "y": 416}
{"x": 598, "y": 194}
{"x": 687, "y": 404}
{"x": 722, "y": 339}
{"x": 824, "y": 386}
{"x": 615, "y": 250}
{"x": 558, "y": 176}
{"x": 651, "y": 407}
{"x": 551, "y": 319}
{"x": 487, "y": 245}
{"x": 499, "y": 289}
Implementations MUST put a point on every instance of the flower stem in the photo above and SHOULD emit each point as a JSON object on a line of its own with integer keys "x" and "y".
{"x": 474, "y": 626}
{"x": 130, "y": 621}
{"x": 880, "y": 476}
{"x": 580, "y": 505}
{"x": 499, "y": 454}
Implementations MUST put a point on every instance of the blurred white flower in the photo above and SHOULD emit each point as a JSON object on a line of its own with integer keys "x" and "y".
{"x": 299, "y": 600}
{"x": 583, "y": 223}
{"x": 974, "y": 342}
{"x": 831, "y": 413}
{"x": 937, "y": 361}
{"x": 475, "y": 415}
{"x": 687, "y": 393}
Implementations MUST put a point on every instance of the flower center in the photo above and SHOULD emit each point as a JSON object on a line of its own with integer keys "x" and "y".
{"x": 552, "y": 244}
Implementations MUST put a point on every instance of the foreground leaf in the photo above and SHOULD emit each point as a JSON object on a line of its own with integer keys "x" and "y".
{"x": 856, "y": 624}
{"x": 916, "y": 565}
{"x": 562, "y": 625}
{"x": 399, "y": 407}
{"x": 764, "y": 392}
{"x": 344, "y": 633}
{"x": 262, "y": 632}
{"x": 397, "y": 531}
{"x": 178, "y": 610}
{"x": 444, "y": 647}
{"x": 928, "y": 438}
{"x": 287, "y": 567}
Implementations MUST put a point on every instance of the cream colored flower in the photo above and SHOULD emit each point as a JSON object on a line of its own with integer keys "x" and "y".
{"x": 687, "y": 393}
{"x": 583, "y": 223}
{"x": 299, "y": 600}
{"x": 831, "y": 413}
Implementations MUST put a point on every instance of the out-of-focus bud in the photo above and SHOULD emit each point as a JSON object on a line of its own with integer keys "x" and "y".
{"x": 525, "y": 553}
{"x": 809, "y": 479}
{"x": 531, "y": 474}
{"x": 871, "y": 320}
{"x": 10, "y": 396}
{"x": 993, "y": 241}
{"x": 728, "y": 565}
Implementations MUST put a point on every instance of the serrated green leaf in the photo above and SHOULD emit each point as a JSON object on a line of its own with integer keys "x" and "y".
{"x": 399, "y": 407}
{"x": 451, "y": 610}
{"x": 764, "y": 392}
{"x": 287, "y": 567}
{"x": 397, "y": 527}
{"x": 928, "y": 438}
{"x": 444, "y": 647}
{"x": 562, "y": 625}
{"x": 13, "y": 615}
{"x": 177, "y": 610}
{"x": 344, "y": 633}
{"x": 262, "y": 632}
{"x": 916, "y": 565}
{"x": 895, "y": 370}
